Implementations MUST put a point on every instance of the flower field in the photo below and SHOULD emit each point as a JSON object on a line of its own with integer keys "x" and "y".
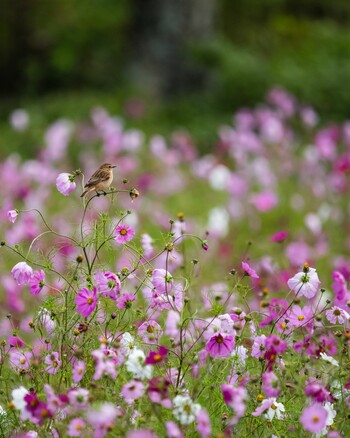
{"x": 195, "y": 295}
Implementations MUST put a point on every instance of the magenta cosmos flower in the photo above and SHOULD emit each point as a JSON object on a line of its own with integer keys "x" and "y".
{"x": 123, "y": 233}
{"x": 36, "y": 283}
{"x": 305, "y": 282}
{"x": 12, "y": 215}
{"x": 65, "y": 183}
{"x": 220, "y": 345}
{"x": 155, "y": 357}
{"x": 314, "y": 418}
{"x": 86, "y": 301}
{"x": 22, "y": 273}
{"x": 249, "y": 271}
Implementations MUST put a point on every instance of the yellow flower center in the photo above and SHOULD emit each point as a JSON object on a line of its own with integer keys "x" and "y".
{"x": 301, "y": 317}
{"x": 90, "y": 301}
{"x": 157, "y": 357}
{"x": 315, "y": 419}
{"x": 219, "y": 339}
{"x": 336, "y": 312}
{"x": 123, "y": 232}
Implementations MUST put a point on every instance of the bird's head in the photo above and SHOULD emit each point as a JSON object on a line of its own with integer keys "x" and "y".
{"x": 107, "y": 166}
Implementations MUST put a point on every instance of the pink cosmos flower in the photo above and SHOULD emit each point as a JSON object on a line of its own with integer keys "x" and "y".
{"x": 158, "y": 391}
{"x": 249, "y": 271}
{"x": 16, "y": 341}
{"x": 53, "y": 362}
{"x": 102, "y": 419}
{"x": 317, "y": 391}
{"x": 234, "y": 397}
{"x": 305, "y": 283}
{"x": 162, "y": 280}
{"x": 36, "y": 283}
{"x": 156, "y": 357}
{"x": 123, "y": 233}
{"x": 107, "y": 284}
{"x": 105, "y": 363}
{"x": 125, "y": 301}
{"x": 173, "y": 430}
{"x": 78, "y": 370}
{"x": 12, "y": 215}
{"x": 132, "y": 391}
{"x": 79, "y": 398}
{"x": 203, "y": 423}
{"x": 86, "y": 301}
{"x": 76, "y": 427}
{"x": 336, "y": 315}
{"x": 300, "y": 316}
{"x": 270, "y": 384}
{"x": 339, "y": 286}
{"x": 22, "y": 273}
{"x": 314, "y": 418}
{"x": 150, "y": 331}
{"x": 65, "y": 183}
{"x": 220, "y": 345}
{"x": 20, "y": 360}
{"x": 264, "y": 201}
{"x": 258, "y": 347}
{"x": 280, "y": 236}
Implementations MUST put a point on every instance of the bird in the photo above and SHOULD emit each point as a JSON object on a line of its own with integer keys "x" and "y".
{"x": 100, "y": 180}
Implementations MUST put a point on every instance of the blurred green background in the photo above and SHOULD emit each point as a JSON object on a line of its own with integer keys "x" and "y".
{"x": 164, "y": 64}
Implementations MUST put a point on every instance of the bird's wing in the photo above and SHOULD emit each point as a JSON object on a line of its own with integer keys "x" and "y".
{"x": 98, "y": 177}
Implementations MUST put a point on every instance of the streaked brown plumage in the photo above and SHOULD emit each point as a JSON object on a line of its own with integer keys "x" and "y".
{"x": 100, "y": 180}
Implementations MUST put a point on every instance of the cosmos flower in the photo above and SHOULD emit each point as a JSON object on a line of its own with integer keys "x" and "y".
{"x": 220, "y": 345}
{"x": 53, "y": 362}
{"x": 107, "y": 284}
{"x": 249, "y": 271}
{"x": 123, "y": 233}
{"x": 12, "y": 215}
{"x": 313, "y": 418}
{"x": 36, "y": 283}
{"x": 305, "y": 283}
{"x": 76, "y": 427}
{"x": 65, "y": 183}
{"x": 22, "y": 273}
{"x": 162, "y": 281}
{"x": 86, "y": 301}
{"x": 184, "y": 409}
{"x": 125, "y": 301}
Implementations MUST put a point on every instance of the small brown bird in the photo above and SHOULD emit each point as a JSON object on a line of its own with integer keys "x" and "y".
{"x": 100, "y": 180}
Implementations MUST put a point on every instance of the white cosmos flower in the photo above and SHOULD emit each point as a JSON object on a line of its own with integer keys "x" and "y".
{"x": 136, "y": 365}
{"x": 18, "y": 398}
{"x": 276, "y": 410}
{"x": 184, "y": 409}
{"x": 127, "y": 342}
{"x": 329, "y": 359}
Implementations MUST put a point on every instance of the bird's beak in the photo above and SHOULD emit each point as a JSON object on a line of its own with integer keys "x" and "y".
{"x": 113, "y": 167}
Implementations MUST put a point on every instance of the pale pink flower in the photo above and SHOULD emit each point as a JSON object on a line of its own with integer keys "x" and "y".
{"x": 53, "y": 362}
{"x": 12, "y": 215}
{"x": 37, "y": 281}
{"x": 249, "y": 271}
{"x": 305, "y": 283}
{"x": 150, "y": 332}
{"x": 132, "y": 391}
{"x": 65, "y": 183}
{"x": 78, "y": 370}
{"x": 314, "y": 418}
{"x": 162, "y": 280}
{"x": 76, "y": 427}
{"x": 336, "y": 315}
{"x": 22, "y": 273}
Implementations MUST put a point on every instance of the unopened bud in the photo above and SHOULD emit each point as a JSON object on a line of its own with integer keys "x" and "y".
{"x": 79, "y": 259}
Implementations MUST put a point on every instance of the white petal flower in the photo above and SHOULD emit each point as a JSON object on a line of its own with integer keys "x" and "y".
{"x": 18, "y": 397}
{"x": 184, "y": 410}
{"x": 329, "y": 359}
{"x": 136, "y": 365}
{"x": 305, "y": 283}
{"x": 127, "y": 342}
{"x": 276, "y": 410}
